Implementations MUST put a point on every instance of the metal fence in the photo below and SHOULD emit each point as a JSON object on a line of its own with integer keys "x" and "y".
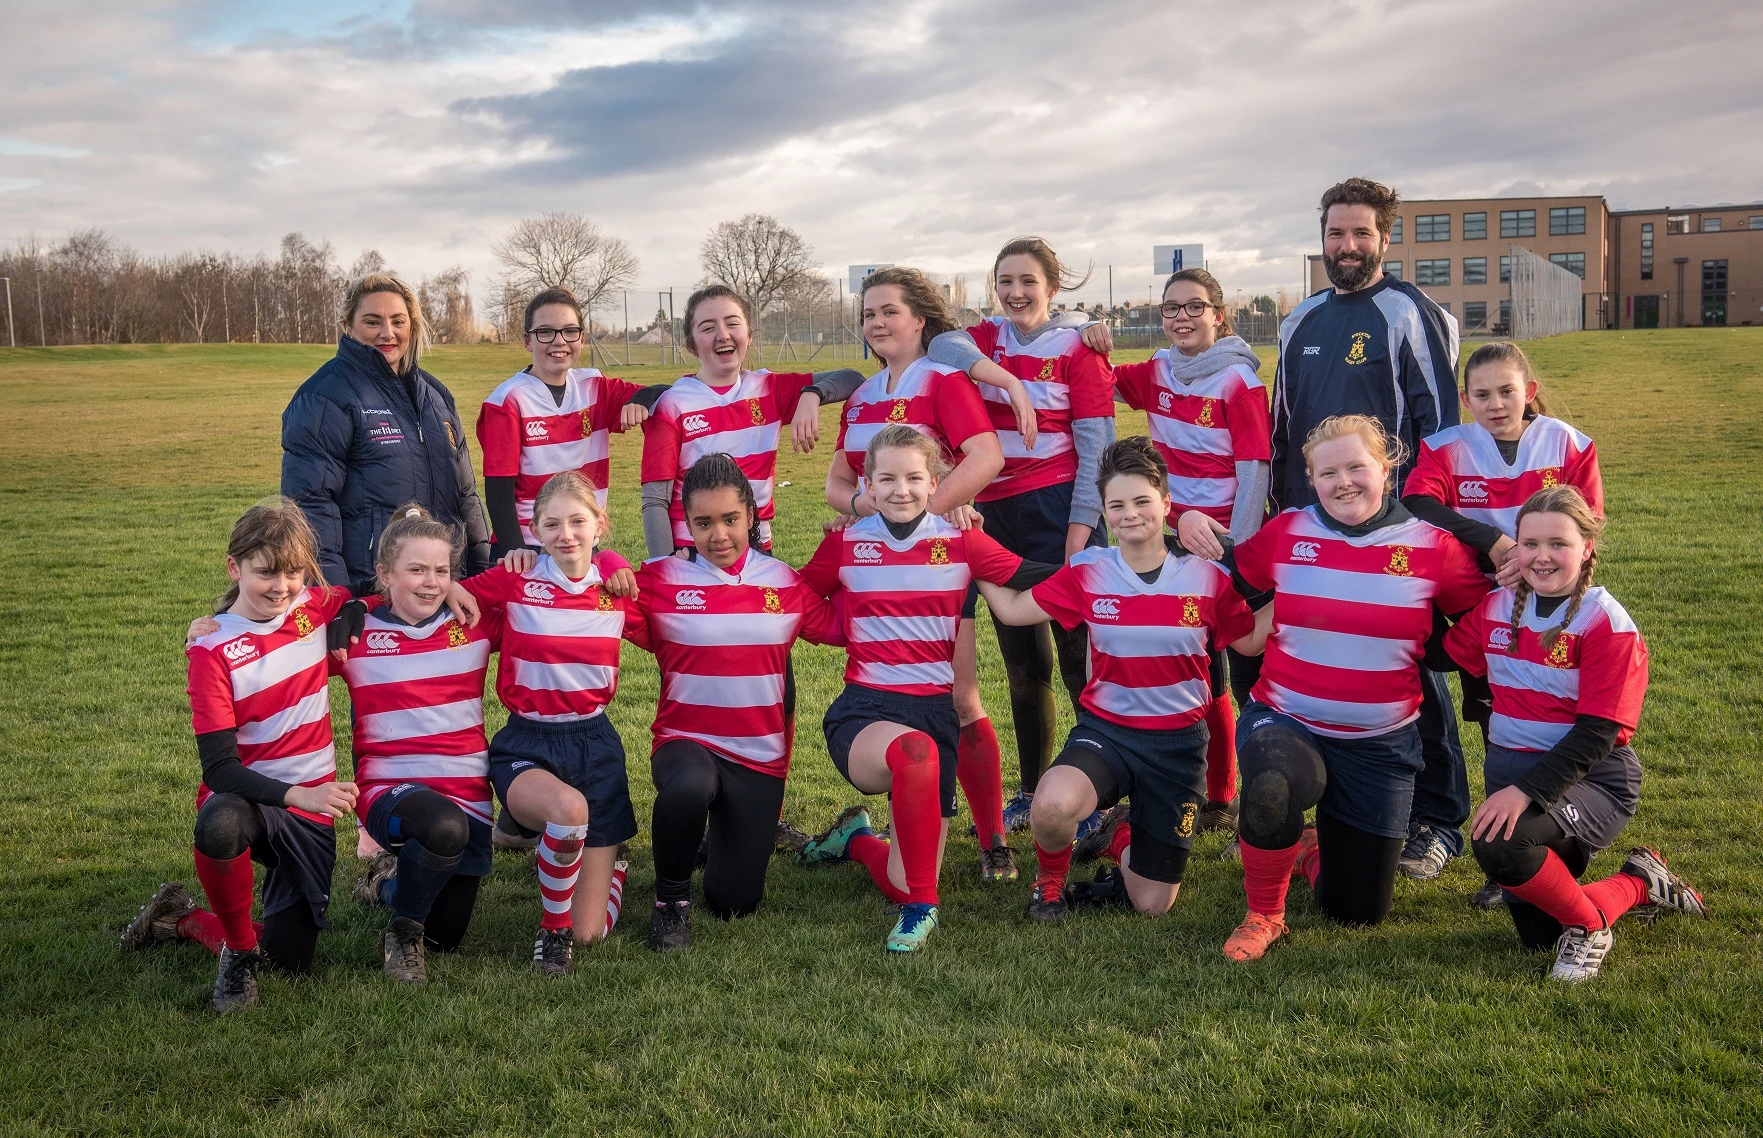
{"x": 1546, "y": 298}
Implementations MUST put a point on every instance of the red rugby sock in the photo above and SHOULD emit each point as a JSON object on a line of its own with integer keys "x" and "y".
{"x": 228, "y": 885}
{"x": 917, "y": 814}
{"x": 1557, "y": 892}
{"x": 1616, "y": 895}
{"x": 1052, "y": 868}
{"x": 978, "y": 767}
{"x": 1221, "y": 750}
{"x": 1122, "y": 838}
{"x": 872, "y": 853}
{"x": 1267, "y": 875}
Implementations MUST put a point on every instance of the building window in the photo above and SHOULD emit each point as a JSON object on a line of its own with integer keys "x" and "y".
{"x": 1436, "y": 272}
{"x": 1647, "y": 251}
{"x": 1475, "y": 270}
{"x": 1393, "y": 269}
{"x": 1396, "y": 231}
{"x": 1713, "y": 292}
{"x": 1572, "y": 262}
{"x": 1565, "y": 221}
{"x": 1518, "y": 223}
{"x": 1432, "y": 227}
{"x": 1757, "y": 222}
{"x": 1475, "y": 227}
{"x": 1710, "y": 225}
{"x": 1506, "y": 316}
{"x": 1505, "y": 269}
{"x": 1677, "y": 223}
{"x": 1475, "y": 315}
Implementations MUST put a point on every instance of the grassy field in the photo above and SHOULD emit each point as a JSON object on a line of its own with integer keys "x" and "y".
{"x": 123, "y": 469}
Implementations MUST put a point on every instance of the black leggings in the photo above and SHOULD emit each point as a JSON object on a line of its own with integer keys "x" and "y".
{"x": 1515, "y": 860}
{"x": 1283, "y": 776}
{"x": 431, "y": 833}
{"x": 695, "y": 788}
{"x": 228, "y": 826}
{"x": 1028, "y": 665}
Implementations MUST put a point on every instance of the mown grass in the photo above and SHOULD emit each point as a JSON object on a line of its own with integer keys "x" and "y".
{"x": 123, "y": 469}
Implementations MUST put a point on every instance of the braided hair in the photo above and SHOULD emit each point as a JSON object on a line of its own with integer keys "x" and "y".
{"x": 715, "y": 471}
{"x": 1559, "y": 500}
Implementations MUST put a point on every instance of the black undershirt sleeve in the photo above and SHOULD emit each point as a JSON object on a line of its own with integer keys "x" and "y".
{"x": 1030, "y": 573}
{"x": 1478, "y": 536}
{"x": 223, "y": 773}
{"x": 645, "y": 397}
{"x": 504, "y": 519}
{"x": 1587, "y": 743}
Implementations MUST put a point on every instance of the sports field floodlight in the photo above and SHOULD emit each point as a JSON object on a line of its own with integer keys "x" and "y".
{"x": 11, "y": 340}
{"x": 1166, "y": 259}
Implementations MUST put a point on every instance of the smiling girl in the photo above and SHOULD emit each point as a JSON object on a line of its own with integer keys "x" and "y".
{"x": 269, "y": 791}
{"x": 1568, "y": 670}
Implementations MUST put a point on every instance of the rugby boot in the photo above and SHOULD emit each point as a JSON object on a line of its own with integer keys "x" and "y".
{"x": 158, "y": 919}
{"x": 235, "y": 985}
{"x": 402, "y": 951}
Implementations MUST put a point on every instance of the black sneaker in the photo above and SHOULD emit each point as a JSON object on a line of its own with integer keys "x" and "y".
{"x": 1424, "y": 855}
{"x": 1095, "y": 843}
{"x": 788, "y": 839}
{"x": 1666, "y": 891}
{"x": 670, "y": 926}
{"x": 1489, "y": 897}
{"x": 406, "y": 961}
{"x": 1109, "y": 888}
{"x": 158, "y": 919}
{"x": 1216, "y": 816}
{"x": 553, "y": 951}
{"x": 1045, "y": 903}
{"x": 383, "y": 869}
{"x": 997, "y": 863}
{"x": 235, "y": 987}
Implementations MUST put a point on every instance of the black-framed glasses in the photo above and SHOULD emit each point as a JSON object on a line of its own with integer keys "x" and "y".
{"x": 1192, "y": 308}
{"x": 570, "y": 334}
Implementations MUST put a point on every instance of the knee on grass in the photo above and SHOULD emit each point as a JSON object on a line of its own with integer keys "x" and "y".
{"x": 224, "y": 826}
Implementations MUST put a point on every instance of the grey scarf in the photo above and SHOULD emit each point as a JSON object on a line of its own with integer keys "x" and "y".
{"x": 1230, "y": 350}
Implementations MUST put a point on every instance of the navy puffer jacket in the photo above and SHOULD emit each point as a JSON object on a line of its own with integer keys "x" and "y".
{"x": 358, "y": 441}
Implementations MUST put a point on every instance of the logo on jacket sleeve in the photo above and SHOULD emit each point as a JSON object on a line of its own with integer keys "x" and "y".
{"x": 1306, "y": 550}
{"x": 689, "y": 598}
{"x": 1190, "y": 612}
{"x": 939, "y": 552}
{"x": 1105, "y": 608}
{"x": 1356, "y": 353}
{"x": 302, "y": 622}
{"x": 1398, "y": 565}
{"x": 773, "y": 602}
{"x": 538, "y": 592}
{"x": 898, "y": 413}
{"x": 240, "y": 650}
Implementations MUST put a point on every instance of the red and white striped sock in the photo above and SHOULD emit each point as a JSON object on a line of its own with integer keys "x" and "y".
{"x": 560, "y": 863}
{"x": 615, "y": 899}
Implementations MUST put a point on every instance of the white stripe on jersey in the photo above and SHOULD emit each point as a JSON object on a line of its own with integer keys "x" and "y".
{"x": 279, "y": 664}
{"x": 1179, "y": 434}
{"x": 754, "y": 748}
{"x": 1364, "y": 588}
{"x": 1345, "y": 649}
{"x": 1203, "y": 491}
{"x": 412, "y": 767}
{"x": 725, "y": 691}
{"x": 537, "y": 621}
{"x": 1511, "y": 672}
{"x": 314, "y": 707}
{"x": 367, "y": 671}
{"x": 536, "y": 676}
{"x": 1525, "y": 734}
{"x": 299, "y": 768}
{"x": 905, "y": 578}
{"x": 415, "y": 722}
{"x": 1172, "y": 700}
{"x": 1138, "y": 641}
{"x": 1359, "y": 718}
{"x": 714, "y": 630}
{"x": 876, "y": 674}
{"x": 871, "y": 629}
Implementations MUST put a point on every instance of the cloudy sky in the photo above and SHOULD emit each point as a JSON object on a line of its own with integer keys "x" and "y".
{"x": 918, "y": 131}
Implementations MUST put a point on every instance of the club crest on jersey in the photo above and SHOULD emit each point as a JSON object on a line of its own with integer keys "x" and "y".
{"x": 939, "y": 552}
{"x": 1205, "y": 419}
{"x": 538, "y": 592}
{"x": 240, "y": 650}
{"x": 604, "y": 602}
{"x": 587, "y": 423}
{"x": 1398, "y": 566}
{"x": 898, "y": 413}
{"x": 1185, "y": 827}
{"x": 302, "y": 622}
{"x": 1500, "y": 638}
{"x": 452, "y": 439}
{"x": 381, "y": 641}
{"x": 1561, "y": 655}
{"x": 1105, "y": 608}
{"x": 757, "y": 411}
{"x": 1306, "y": 550}
{"x": 1046, "y": 371}
{"x": 773, "y": 602}
{"x": 1356, "y": 353}
{"x": 1190, "y": 612}
{"x": 456, "y": 636}
{"x": 1551, "y": 477}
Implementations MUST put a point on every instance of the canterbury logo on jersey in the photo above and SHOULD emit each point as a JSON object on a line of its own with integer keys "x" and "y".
{"x": 1105, "y": 608}
{"x": 240, "y": 650}
{"x": 855, "y": 410}
{"x": 1306, "y": 551}
{"x": 692, "y": 424}
{"x": 867, "y": 551}
{"x": 536, "y": 429}
{"x": 1165, "y": 401}
{"x": 689, "y": 598}
{"x": 1472, "y": 490}
{"x": 1500, "y": 637}
{"x": 538, "y": 591}
{"x": 382, "y": 641}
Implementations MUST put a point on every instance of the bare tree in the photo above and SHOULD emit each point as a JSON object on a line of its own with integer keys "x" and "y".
{"x": 564, "y": 250}
{"x": 758, "y": 256}
{"x": 446, "y": 305}
{"x": 198, "y": 279}
{"x": 370, "y": 261}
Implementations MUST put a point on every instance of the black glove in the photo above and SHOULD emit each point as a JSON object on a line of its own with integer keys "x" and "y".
{"x": 347, "y": 625}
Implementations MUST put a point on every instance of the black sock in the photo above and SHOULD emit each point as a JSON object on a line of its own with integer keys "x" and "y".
{"x": 421, "y": 876}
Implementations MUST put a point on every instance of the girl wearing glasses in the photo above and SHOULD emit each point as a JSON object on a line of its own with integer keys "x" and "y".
{"x": 1207, "y": 410}
{"x": 551, "y": 417}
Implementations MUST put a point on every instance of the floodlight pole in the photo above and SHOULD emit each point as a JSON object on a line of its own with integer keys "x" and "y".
{"x": 627, "y": 326}
{"x": 43, "y": 340}
{"x": 11, "y": 339}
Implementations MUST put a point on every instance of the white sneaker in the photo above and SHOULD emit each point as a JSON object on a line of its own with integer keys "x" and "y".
{"x": 1579, "y": 954}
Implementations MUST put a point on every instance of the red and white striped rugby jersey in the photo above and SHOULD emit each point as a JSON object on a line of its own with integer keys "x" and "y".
{"x": 1066, "y": 380}
{"x": 722, "y": 640}
{"x": 1150, "y": 644}
{"x": 1351, "y": 617}
{"x": 693, "y": 419}
{"x": 902, "y": 597}
{"x": 418, "y": 694}
{"x": 559, "y": 640}
{"x": 931, "y": 399}
{"x": 526, "y": 435}
{"x": 1598, "y": 666}
{"x": 267, "y": 681}
{"x": 1461, "y": 467}
{"x": 1202, "y": 429}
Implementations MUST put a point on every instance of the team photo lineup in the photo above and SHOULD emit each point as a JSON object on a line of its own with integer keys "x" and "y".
{"x": 1252, "y": 611}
